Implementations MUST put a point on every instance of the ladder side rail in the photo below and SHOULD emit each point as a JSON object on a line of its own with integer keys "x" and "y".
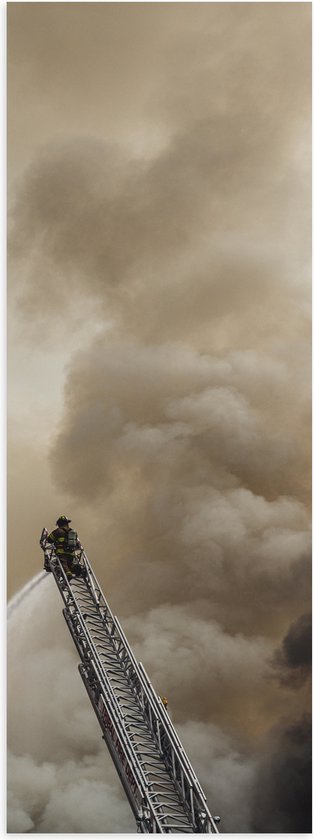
{"x": 178, "y": 763}
{"x": 81, "y": 633}
{"x": 93, "y": 648}
{"x": 173, "y": 738}
{"x": 199, "y": 798}
{"x": 69, "y": 597}
{"x": 50, "y": 553}
{"x": 121, "y": 750}
{"x": 157, "y": 706}
{"x": 174, "y": 742}
{"x": 116, "y": 631}
{"x": 148, "y": 795}
{"x": 147, "y": 818}
{"x": 126, "y": 777}
{"x": 159, "y": 709}
{"x": 177, "y": 753}
{"x": 100, "y": 599}
{"x": 175, "y": 759}
{"x": 63, "y": 583}
{"x": 70, "y": 601}
{"x": 96, "y": 703}
{"x": 72, "y": 610}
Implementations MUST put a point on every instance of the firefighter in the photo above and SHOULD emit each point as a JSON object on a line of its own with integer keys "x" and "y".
{"x": 66, "y": 542}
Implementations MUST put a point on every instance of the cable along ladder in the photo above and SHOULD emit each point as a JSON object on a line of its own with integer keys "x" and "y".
{"x": 159, "y": 781}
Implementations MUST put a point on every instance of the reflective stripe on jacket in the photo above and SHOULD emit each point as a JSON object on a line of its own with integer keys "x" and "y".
{"x": 59, "y": 538}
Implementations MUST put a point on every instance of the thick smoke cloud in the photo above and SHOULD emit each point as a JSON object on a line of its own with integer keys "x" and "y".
{"x": 294, "y": 658}
{"x": 282, "y": 789}
{"x": 182, "y": 448}
{"x": 283, "y": 794}
{"x": 188, "y": 479}
{"x": 206, "y": 225}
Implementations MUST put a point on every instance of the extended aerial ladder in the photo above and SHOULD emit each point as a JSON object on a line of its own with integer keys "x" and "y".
{"x": 159, "y": 781}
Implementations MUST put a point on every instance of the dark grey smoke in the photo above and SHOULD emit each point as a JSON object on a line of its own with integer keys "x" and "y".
{"x": 294, "y": 658}
{"x": 282, "y": 797}
{"x": 282, "y": 801}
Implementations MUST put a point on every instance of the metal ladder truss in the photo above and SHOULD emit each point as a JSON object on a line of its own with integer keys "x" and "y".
{"x": 159, "y": 781}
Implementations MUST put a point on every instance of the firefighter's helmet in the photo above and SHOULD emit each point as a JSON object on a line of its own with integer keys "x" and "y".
{"x": 63, "y": 520}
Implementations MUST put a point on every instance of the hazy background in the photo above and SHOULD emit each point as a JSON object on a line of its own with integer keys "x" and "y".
{"x": 159, "y": 389}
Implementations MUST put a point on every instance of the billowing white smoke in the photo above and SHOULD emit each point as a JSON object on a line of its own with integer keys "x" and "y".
{"x": 60, "y": 776}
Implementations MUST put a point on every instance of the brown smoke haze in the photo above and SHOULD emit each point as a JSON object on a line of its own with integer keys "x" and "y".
{"x": 160, "y": 390}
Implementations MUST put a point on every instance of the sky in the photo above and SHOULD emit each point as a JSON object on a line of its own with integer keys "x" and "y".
{"x": 159, "y": 385}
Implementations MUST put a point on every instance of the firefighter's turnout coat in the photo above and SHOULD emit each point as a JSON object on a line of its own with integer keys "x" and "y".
{"x": 65, "y": 541}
